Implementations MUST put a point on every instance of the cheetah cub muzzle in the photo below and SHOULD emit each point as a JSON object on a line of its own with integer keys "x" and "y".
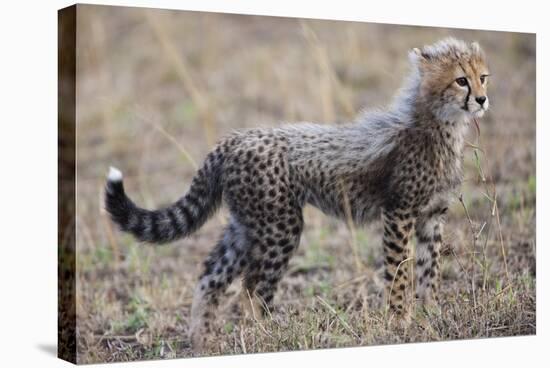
{"x": 400, "y": 165}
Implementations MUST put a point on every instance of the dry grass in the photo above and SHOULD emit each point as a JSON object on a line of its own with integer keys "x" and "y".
{"x": 156, "y": 88}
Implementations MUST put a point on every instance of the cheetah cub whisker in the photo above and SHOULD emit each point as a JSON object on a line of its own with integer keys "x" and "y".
{"x": 400, "y": 165}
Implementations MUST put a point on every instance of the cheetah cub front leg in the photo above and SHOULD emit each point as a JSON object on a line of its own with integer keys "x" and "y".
{"x": 398, "y": 229}
{"x": 429, "y": 230}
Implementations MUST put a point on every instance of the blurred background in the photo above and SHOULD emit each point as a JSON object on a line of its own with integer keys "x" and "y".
{"x": 156, "y": 89}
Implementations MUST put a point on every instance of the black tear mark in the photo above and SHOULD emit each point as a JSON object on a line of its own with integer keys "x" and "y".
{"x": 465, "y": 107}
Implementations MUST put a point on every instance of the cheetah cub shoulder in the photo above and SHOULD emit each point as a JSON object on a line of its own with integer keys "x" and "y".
{"x": 399, "y": 165}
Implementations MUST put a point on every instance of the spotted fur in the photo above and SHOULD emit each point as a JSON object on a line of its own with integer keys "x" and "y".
{"x": 400, "y": 164}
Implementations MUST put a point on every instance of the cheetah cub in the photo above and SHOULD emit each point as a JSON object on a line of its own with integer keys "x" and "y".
{"x": 400, "y": 164}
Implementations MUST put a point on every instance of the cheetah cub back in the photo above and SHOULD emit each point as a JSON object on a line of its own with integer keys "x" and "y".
{"x": 399, "y": 165}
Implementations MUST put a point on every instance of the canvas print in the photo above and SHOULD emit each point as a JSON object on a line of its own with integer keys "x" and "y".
{"x": 234, "y": 184}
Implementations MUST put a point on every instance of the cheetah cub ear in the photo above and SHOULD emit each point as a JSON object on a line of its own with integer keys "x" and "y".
{"x": 419, "y": 57}
{"x": 415, "y": 54}
{"x": 477, "y": 51}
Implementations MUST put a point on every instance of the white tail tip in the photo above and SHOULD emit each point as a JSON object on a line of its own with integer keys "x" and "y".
{"x": 114, "y": 174}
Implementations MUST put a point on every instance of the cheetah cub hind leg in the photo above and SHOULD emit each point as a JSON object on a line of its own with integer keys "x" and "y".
{"x": 263, "y": 275}
{"x": 222, "y": 266}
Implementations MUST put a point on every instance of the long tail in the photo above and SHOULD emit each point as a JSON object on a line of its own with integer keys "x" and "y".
{"x": 178, "y": 220}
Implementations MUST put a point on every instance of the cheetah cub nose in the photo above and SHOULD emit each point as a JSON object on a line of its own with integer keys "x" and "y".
{"x": 481, "y": 100}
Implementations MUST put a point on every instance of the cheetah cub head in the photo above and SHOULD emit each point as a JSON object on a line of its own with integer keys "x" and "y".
{"x": 453, "y": 77}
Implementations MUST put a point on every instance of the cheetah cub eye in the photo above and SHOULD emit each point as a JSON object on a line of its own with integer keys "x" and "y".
{"x": 483, "y": 78}
{"x": 462, "y": 81}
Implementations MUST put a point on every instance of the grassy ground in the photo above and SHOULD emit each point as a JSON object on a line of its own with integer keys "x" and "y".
{"x": 157, "y": 88}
